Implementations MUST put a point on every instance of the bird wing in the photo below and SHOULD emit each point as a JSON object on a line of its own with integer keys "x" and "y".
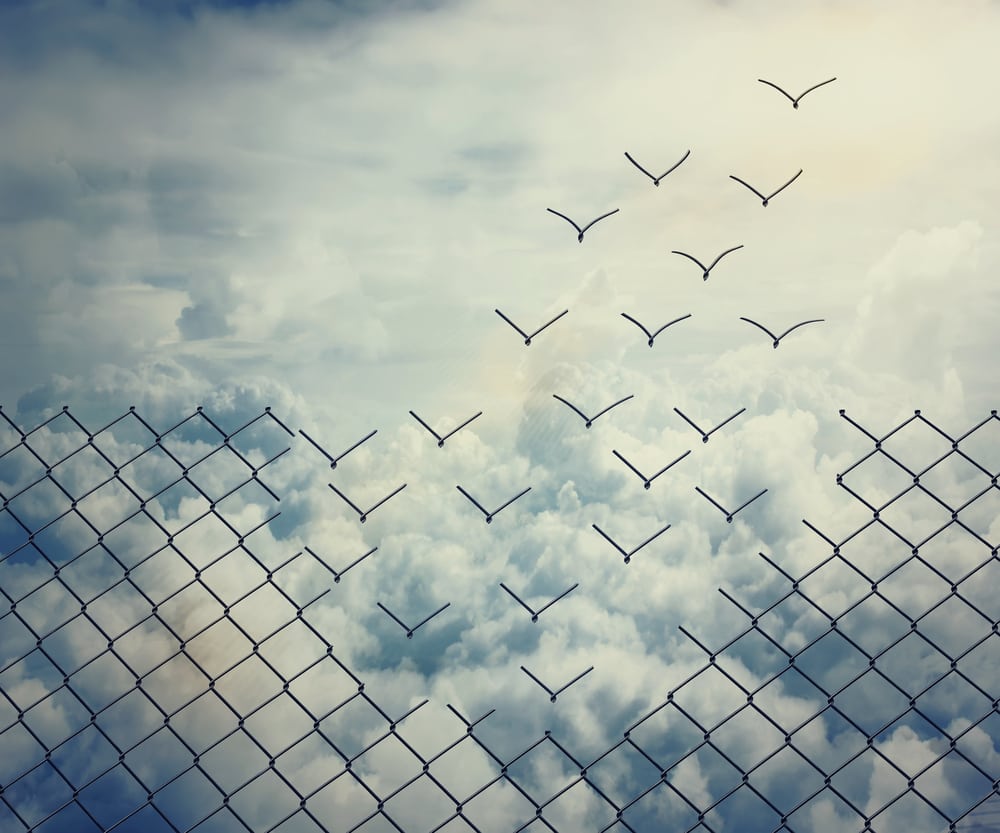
{"x": 672, "y": 167}
{"x": 637, "y": 324}
{"x": 512, "y": 324}
{"x": 654, "y": 335}
{"x": 418, "y": 419}
{"x": 814, "y": 86}
{"x": 460, "y": 427}
{"x": 553, "y": 321}
{"x": 567, "y": 219}
{"x": 727, "y": 251}
{"x": 711, "y": 500}
{"x": 581, "y": 413}
{"x": 783, "y": 187}
{"x": 395, "y": 491}
{"x": 509, "y": 502}
{"x": 346, "y": 499}
{"x": 669, "y": 465}
{"x": 760, "y": 326}
{"x": 786, "y": 95}
{"x": 627, "y": 463}
{"x": 748, "y": 185}
{"x": 727, "y": 420}
{"x": 609, "y": 539}
{"x": 598, "y": 220}
{"x": 647, "y": 173}
{"x": 474, "y": 501}
{"x": 688, "y": 421}
{"x": 650, "y": 538}
{"x": 800, "y": 324}
{"x": 689, "y": 257}
{"x": 619, "y": 402}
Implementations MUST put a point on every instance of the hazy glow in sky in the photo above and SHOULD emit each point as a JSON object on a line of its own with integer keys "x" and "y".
{"x": 318, "y": 207}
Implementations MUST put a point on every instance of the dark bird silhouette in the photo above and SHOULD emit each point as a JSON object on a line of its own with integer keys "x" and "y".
{"x": 338, "y": 575}
{"x": 489, "y": 515}
{"x": 650, "y": 336}
{"x": 528, "y": 336}
{"x": 704, "y": 435}
{"x": 407, "y": 628}
{"x": 334, "y": 460}
{"x": 706, "y": 269}
{"x": 628, "y": 555}
{"x": 769, "y": 196}
{"x": 554, "y": 694}
{"x": 656, "y": 179}
{"x": 579, "y": 236}
{"x": 536, "y": 613}
{"x": 588, "y": 421}
{"x": 363, "y": 516}
{"x": 795, "y": 101}
{"x": 647, "y": 481}
{"x": 439, "y": 438}
{"x": 729, "y": 515}
{"x": 778, "y": 338}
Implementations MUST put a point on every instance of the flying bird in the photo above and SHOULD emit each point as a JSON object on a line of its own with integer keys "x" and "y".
{"x": 588, "y": 421}
{"x": 554, "y": 694}
{"x": 704, "y": 435}
{"x": 628, "y": 555}
{"x": 795, "y": 101}
{"x": 656, "y": 179}
{"x": 363, "y": 516}
{"x": 650, "y": 336}
{"x": 706, "y": 269}
{"x": 579, "y": 236}
{"x": 778, "y": 338}
{"x": 439, "y": 438}
{"x": 769, "y": 196}
{"x": 407, "y": 628}
{"x": 489, "y": 515}
{"x": 528, "y": 336}
{"x": 536, "y": 613}
{"x": 334, "y": 460}
{"x": 647, "y": 481}
{"x": 729, "y": 515}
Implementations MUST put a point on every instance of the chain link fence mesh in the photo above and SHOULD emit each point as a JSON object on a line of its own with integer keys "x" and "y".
{"x": 161, "y": 672}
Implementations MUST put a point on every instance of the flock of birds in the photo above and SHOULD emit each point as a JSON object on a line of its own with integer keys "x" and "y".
{"x": 588, "y": 420}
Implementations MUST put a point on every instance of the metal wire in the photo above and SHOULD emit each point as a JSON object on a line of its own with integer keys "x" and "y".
{"x": 86, "y": 643}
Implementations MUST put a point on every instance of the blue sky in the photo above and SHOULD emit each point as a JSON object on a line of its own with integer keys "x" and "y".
{"x": 319, "y": 207}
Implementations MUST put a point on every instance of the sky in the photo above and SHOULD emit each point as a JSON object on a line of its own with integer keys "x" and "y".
{"x": 320, "y": 207}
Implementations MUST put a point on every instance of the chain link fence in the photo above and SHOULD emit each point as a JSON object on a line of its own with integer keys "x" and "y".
{"x": 160, "y": 671}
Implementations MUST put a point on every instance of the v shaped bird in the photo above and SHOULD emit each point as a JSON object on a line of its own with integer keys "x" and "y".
{"x": 579, "y": 236}
{"x": 704, "y": 435}
{"x": 588, "y": 421}
{"x": 778, "y": 338}
{"x": 706, "y": 269}
{"x": 528, "y": 336}
{"x": 650, "y": 336}
{"x": 648, "y": 481}
{"x": 656, "y": 179}
{"x": 437, "y": 436}
{"x": 795, "y": 101}
{"x": 489, "y": 515}
{"x": 769, "y": 196}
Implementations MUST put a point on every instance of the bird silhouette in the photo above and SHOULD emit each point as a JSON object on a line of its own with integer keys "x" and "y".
{"x": 579, "y": 236}
{"x": 656, "y": 179}
{"x": 778, "y": 338}
{"x": 363, "y": 514}
{"x": 795, "y": 101}
{"x": 411, "y": 630}
{"x": 554, "y": 694}
{"x": 489, "y": 515}
{"x": 729, "y": 514}
{"x": 536, "y": 613}
{"x": 437, "y": 436}
{"x": 588, "y": 421}
{"x": 706, "y": 269}
{"x": 769, "y": 196}
{"x": 704, "y": 435}
{"x": 526, "y": 336}
{"x": 628, "y": 555}
{"x": 648, "y": 481}
{"x": 650, "y": 336}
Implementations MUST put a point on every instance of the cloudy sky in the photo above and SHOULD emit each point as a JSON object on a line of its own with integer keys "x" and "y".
{"x": 318, "y": 207}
